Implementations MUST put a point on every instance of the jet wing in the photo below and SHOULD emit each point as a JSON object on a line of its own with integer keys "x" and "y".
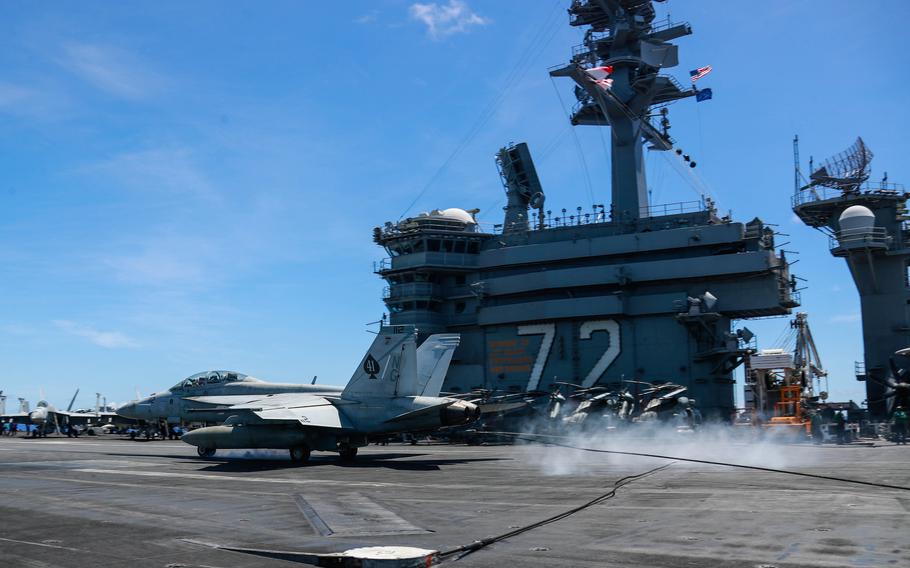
{"x": 17, "y": 418}
{"x": 307, "y": 409}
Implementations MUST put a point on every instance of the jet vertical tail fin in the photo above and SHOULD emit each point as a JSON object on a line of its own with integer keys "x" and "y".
{"x": 433, "y": 358}
{"x": 390, "y": 363}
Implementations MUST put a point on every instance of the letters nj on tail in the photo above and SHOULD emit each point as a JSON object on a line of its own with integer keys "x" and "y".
{"x": 394, "y": 366}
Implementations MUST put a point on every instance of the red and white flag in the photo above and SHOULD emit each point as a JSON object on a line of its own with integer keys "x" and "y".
{"x": 697, "y": 74}
{"x": 601, "y": 75}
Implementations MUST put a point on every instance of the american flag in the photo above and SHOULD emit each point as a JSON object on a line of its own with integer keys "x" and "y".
{"x": 601, "y": 76}
{"x": 697, "y": 74}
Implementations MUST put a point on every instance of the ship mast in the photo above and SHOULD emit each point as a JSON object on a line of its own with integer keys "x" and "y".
{"x": 621, "y": 36}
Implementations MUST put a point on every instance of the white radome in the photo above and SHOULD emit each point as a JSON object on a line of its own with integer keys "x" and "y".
{"x": 856, "y": 218}
{"x": 458, "y": 215}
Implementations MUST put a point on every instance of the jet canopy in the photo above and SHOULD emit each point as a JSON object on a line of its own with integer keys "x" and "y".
{"x": 41, "y": 404}
{"x": 209, "y": 378}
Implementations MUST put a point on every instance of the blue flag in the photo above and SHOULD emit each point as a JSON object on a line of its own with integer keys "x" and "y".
{"x": 703, "y": 95}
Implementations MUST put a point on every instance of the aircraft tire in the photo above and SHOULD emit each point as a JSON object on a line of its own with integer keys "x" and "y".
{"x": 348, "y": 454}
{"x": 300, "y": 454}
{"x": 205, "y": 452}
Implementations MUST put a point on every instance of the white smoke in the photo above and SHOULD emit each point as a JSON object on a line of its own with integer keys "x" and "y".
{"x": 565, "y": 455}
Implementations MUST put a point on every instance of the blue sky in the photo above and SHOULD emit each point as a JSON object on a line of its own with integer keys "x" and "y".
{"x": 192, "y": 185}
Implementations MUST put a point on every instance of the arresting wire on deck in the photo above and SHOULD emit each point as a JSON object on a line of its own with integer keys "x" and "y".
{"x": 460, "y": 552}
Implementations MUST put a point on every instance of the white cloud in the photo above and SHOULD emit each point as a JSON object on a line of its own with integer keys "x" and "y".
{"x": 13, "y": 94}
{"x": 367, "y": 18}
{"x": 846, "y": 318}
{"x": 106, "y": 339}
{"x": 170, "y": 259}
{"x": 445, "y": 20}
{"x": 158, "y": 169}
{"x": 111, "y": 70}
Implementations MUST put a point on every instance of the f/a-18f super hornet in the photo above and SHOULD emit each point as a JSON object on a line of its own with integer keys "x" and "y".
{"x": 190, "y": 400}
{"x": 395, "y": 389}
{"x": 47, "y": 418}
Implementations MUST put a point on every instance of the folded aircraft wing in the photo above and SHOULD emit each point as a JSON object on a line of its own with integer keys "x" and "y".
{"x": 307, "y": 409}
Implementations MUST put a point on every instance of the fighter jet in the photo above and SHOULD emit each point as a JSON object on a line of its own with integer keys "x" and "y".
{"x": 394, "y": 390}
{"x": 191, "y": 400}
{"x": 47, "y": 418}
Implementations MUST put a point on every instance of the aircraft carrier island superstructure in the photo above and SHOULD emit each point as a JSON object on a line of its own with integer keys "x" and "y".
{"x": 868, "y": 225}
{"x": 633, "y": 292}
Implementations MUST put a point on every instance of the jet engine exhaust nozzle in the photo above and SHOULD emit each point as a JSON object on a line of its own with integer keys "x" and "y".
{"x": 460, "y": 413}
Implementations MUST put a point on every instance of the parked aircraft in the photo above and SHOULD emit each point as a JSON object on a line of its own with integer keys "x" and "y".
{"x": 47, "y": 418}
{"x": 395, "y": 389}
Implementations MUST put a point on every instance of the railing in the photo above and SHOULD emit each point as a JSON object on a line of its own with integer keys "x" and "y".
{"x": 863, "y": 237}
{"x": 410, "y": 290}
{"x": 425, "y": 258}
{"x": 382, "y": 265}
{"x": 677, "y": 208}
{"x": 822, "y": 193}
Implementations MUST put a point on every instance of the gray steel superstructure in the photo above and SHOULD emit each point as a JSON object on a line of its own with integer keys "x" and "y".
{"x": 867, "y": 226}
{"x": 629, "y": 292}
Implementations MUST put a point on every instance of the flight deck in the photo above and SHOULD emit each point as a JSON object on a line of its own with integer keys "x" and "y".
{"x": 112, "y": 502}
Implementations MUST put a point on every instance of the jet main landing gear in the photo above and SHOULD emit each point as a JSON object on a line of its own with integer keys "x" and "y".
{"x": 205, "y": 452}
{"x": 300, "y": 454}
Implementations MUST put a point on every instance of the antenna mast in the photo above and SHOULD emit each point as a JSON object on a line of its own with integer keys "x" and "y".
{"x": 617, "y": 72}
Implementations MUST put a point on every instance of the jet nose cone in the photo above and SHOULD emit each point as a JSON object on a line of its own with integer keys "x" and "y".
{"x": 127, "y": 410}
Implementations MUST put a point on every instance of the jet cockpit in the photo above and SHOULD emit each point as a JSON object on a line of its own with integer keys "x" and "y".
{"x": 210, "y": 378}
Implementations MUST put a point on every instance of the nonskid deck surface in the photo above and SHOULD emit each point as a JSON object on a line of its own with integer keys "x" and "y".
{"x": 112, "y": 502}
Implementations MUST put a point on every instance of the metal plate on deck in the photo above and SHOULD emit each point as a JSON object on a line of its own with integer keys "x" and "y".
{"x": 352, "y": 514}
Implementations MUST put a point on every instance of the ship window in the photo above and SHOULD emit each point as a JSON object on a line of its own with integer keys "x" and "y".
{"x": 473, "y": 248}
{"x": 459, "y": 307}
{"x": 448, "y": 246}
{"x": 459, "y": 246}
{"x": 907, "y": 274}
{"x": 421, "y": 305}
{"x": 460, "y": 280}
{"x": 433, "y": 245}
{"x": 418, "y": 246}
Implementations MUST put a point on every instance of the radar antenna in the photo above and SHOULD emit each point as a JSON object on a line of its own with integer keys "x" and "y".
{"x": 845, "y": 171}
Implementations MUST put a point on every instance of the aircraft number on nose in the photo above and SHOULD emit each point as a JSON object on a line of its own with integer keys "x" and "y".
{"x": 548, "y": 330}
